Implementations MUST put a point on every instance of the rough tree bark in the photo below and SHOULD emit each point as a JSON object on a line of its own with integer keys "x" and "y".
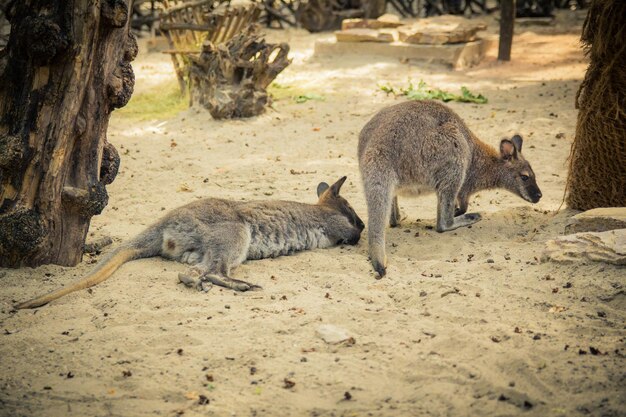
{"x": 66, "y": 67}
{"x": 231, "y": 79}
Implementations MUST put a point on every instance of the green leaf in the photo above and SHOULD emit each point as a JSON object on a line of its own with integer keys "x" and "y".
{"x": 303, "y": 98}
{"x": 422, "y": 92}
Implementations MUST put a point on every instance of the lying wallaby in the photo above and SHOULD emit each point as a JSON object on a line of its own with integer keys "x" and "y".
{"x": 216, "y": 235}
{"x": 423, "y": 146}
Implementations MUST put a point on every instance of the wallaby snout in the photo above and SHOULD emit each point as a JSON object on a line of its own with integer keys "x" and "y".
{"x": 534, "y": 193}
{"x": 423, "y": 146}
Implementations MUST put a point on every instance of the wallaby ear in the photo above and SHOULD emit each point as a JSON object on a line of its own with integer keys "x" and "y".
{"x": 337, "y": 186}
{"x": 321, "y": 187}
{"x": 517, "y": 141}
{"x": 507, "y": 150}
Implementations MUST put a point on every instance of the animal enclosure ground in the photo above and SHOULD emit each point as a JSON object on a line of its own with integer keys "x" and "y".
{"x": 468, "y": 322}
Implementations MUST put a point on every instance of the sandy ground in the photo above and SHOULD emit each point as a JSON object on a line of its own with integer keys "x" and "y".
{"x": 466, "y": 323}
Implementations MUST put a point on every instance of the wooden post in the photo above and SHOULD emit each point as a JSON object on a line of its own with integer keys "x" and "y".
{"x": 65, "y": 68}
{"x": 507, "y": 22}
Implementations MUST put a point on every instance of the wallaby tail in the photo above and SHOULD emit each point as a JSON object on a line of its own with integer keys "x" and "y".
{"x": 100, "y": 273}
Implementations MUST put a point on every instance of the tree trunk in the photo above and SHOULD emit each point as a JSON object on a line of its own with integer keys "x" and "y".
{"x": 597, "y": 171}
{"x": 65, "y": 69}
{"x": 231, "y": 79}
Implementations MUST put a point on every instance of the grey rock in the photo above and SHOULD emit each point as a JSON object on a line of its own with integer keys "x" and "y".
{"x": 597, "y": 220}
{"x": 332, "y": 334}
{"x": 364, "y": 35}
{"x": 608, "y": 247}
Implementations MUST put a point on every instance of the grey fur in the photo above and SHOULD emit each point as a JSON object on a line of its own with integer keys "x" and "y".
{"x": 417, "y": 147}
{"x": 215, "y": 235}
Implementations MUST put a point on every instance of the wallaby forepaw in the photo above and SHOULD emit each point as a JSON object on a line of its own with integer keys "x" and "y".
{"x": 193, "y": 278}
{"x": 188, "y": 280}
{"x": 204, "y": 286}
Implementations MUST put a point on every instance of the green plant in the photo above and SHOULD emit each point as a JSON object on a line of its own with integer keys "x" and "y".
{"x": 303, "y": 98}
{"x": 423, "y": 92}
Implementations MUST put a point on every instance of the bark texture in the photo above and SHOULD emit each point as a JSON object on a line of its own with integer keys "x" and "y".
{"x": 231, "y": 79}
{"x": 65, "y": 68}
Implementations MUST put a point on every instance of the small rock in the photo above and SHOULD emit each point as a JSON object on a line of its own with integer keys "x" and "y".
{"x": 440, "y": 30}
{"x": 597, "y": 220}
{"x": 364, "y": 35}
{"x": 384, "y": 21}
{"x": 332, "y": 334}
{"x": 609, "y": 247}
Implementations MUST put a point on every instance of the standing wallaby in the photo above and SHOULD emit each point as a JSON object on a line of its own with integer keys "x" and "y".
{"x": 423, "y": 146}
{"x": 217, "y": 235}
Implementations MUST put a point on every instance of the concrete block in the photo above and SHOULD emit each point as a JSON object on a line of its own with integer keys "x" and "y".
{"x": 457, "y": 56}
{"x": 364, "y": 35}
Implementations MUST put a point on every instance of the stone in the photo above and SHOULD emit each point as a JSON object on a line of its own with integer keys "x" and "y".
{"x": 534, "y": 21}
{"x": 457, "y": 56}
{"x": 332, "y": 334}
{"x": 384, "y": 21}
{"x": 364, "y": 35}
{"x": 597, "y": 220}
{"x": 389, "y": 18}
{"x": 440, "y": 30}
{"x": 608, "y": 247}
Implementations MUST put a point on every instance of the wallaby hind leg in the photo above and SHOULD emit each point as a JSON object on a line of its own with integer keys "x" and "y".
{"x": 394, "y": 219}
{"x": 379, "y": 201}
{"x": 226, "y": 247}
{"x": 446, "y": 210}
